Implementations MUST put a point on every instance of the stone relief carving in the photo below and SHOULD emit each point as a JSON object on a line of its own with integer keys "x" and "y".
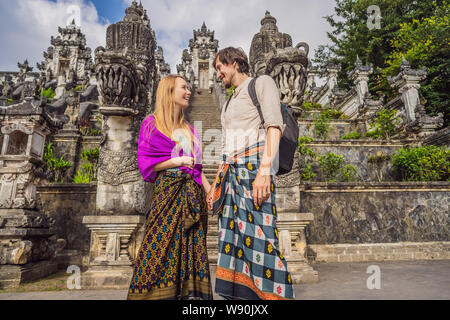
{"x": 288, "y": 67}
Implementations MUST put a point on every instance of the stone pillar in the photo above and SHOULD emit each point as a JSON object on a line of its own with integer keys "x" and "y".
{"x": 407, "y": 82}
{"x": 291, "y": 226}
{"x": 114, "y": 243}
{"x": 313, "y": 71}
{"x": 122, "y": 195}
{"x": 360, "y": 77}
{"x": 27, "y": 243}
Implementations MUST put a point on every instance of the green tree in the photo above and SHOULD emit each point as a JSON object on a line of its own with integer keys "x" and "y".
{"x": 351, "y": 36}
{"x": 425, "y": 43}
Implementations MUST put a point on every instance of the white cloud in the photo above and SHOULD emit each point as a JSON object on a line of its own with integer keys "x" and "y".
{"x": 27, "y": 26}
{"x": 235, "y": 22}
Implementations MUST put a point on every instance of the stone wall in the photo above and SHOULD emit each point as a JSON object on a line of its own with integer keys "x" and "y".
{"x": 379, "y": 251}
{"x": 357, "y": 153}
{"x": 337, "y": 128}
{"x": 376, "y": 212}
{"x": 67, "y": 204}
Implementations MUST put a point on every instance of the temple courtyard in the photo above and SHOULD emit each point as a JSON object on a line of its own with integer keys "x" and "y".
{"x": 402, "y": 280}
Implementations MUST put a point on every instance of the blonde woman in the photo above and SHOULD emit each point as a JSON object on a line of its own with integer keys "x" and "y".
{"x": 172, "y": 262}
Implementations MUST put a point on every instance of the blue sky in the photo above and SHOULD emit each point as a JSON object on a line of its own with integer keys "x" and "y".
{"x": 112, "y": 10}
{"x": 27, "y": 25}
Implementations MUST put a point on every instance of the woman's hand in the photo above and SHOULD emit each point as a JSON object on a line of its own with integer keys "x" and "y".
{"x": 209, "y": 197}
{"x": 187, "y": 162}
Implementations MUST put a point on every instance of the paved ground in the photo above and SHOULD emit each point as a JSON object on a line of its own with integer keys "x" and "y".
{"x": 348, "y": 281}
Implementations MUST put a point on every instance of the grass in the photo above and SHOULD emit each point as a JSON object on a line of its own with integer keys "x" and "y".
{"x": 55, "y": 282}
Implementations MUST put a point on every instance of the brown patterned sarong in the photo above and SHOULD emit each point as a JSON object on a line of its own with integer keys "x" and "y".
{"x": 172, "y": 263}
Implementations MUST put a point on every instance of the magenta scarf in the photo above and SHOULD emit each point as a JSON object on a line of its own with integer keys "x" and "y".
{"x": 154, "y": 147}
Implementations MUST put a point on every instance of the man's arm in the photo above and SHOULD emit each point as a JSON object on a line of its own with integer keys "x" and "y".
{"x": 261, "y": 187}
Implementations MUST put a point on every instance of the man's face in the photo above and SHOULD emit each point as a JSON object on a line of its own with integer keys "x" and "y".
{"x": 226, "y": 72}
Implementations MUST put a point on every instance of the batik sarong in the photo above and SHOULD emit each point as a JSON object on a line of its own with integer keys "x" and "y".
{"x": 172, "y": 262}
{"x": 250, "y": 265}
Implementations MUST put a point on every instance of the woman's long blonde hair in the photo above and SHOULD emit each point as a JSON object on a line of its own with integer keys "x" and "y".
{"x": 164, "y": 113}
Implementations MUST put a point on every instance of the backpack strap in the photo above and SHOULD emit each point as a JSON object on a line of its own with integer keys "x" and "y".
{"x": 254, "y": 97}
{"x": 228, "y": 102}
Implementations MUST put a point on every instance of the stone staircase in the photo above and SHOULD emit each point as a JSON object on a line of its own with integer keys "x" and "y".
{"x": 205, "y": 115}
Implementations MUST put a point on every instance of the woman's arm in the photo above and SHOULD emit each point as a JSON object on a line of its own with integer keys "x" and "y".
{"x": 205, "y": 183}
{"x": 174, "y": 163}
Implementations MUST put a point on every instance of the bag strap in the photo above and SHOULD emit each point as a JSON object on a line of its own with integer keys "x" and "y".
{"x": 254, "y": 97}
{"x": 228, "y": 102}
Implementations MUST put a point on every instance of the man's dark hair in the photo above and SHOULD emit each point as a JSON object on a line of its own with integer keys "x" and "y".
{"x": 231, "y": 55}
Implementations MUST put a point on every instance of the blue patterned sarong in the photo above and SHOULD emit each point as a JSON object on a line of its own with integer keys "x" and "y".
{"x": 250, "y": 265}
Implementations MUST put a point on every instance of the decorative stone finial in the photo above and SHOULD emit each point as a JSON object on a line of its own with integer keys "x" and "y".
{"x": 358, "y": 62}
{"x": 405, "y": 63}
{"x": 268, "y": 19}
{"x": 134, "y": 12}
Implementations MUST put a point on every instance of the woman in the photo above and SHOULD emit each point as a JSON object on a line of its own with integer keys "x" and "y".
{"x": 172, "y": 262}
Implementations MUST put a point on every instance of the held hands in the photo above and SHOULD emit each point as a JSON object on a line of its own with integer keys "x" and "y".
{"x": 187, "y": 162}
{"x": 209, "y": 197}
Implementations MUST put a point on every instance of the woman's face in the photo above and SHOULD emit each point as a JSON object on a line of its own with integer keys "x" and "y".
{"x": 181, "y": 94}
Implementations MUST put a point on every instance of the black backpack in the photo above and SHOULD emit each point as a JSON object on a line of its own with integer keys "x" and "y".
{"x": 289, "y": 140}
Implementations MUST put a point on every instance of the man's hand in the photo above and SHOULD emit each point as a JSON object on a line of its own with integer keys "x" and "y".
{"x": 261, "y": 185}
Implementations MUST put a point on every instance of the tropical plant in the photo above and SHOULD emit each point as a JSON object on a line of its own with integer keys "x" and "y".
{"x": 89, "y": 167}
{"x": 56, "y": 167}
{"x": 49, "y": 93}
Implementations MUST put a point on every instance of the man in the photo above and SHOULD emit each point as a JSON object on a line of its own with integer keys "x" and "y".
{"x": 250, "y": 265}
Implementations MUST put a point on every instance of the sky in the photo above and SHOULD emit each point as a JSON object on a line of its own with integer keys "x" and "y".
{"x": 27, "y": 25}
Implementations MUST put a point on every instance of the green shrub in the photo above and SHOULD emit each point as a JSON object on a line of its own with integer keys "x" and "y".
{"x": 57, "y": 166}
{"x": 321, "y": 126}
{"x": 385, "y": 125}
{"x": 308, "y": 106}
{"x": 425, "y": 163}
{"x": 332, "y": 114}
{"x": 334, "y": 168}
{"x": 348, "y": 173}
{"x": 307, "y": 156}
{"x": 375, "y": 134}
{"x": 331, "y": 165}
{"x": 352, "y": 135}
